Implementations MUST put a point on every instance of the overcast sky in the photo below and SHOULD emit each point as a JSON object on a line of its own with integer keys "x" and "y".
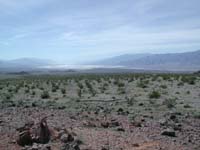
{"x": 77, "y": 30}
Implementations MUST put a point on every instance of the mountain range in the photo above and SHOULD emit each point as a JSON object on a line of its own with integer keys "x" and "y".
{"x": 23, "y": 64}
{"x": 187, "y": 61}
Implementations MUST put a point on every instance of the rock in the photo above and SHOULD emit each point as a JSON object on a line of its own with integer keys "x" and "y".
{"x": 37, "y": 147}
{"x": 41, "y": 134}
{"x": 70, "y": 146}
{"x": 24, "y": 138}
{"x": 104, "y": 148}
{"x": 65, "y": 138}
{"x": 136, "y": 124}
{"x": 105, "y": 124}
{"x": 169, "y": 132}
{"x": 173, "y": 117}
{"x": 46, "y": 147}
{"x": 141, "y": 104}
{"x": 177, "y": 127}
{"x": 31, "y": 133}
{"x": 136, "y": 145}
{"x": 120, "y": 111}
{"x": 114, "y": 123}
{"x": 120, "y": 129}
{"x": 61, "y": 132}
{"x": 163, "y": 122}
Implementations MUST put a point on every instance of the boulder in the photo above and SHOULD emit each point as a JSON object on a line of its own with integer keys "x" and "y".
{"x": 24, "y": 138}
{"x": 31, "y": 133}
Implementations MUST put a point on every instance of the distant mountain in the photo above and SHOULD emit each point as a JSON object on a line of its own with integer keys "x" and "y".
{"x": 23, "y": 64}
{"x": 119, "y": 60}
{"x": 187, "y": 61}
{"x": 31, "y": 62}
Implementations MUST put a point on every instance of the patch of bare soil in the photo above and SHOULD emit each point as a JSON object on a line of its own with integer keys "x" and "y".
{"x": 45, "y": 129}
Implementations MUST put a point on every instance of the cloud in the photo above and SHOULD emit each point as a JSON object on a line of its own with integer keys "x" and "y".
{"x": 98, "y": 28}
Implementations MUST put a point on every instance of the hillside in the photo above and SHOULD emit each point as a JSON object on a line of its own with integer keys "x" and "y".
{"x": 172, "y": 61}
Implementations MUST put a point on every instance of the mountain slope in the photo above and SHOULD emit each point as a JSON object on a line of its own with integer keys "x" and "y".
{"x": 171, "y": 61}
{"x": 24, "y": 64}
{"x": 119, "y": 60}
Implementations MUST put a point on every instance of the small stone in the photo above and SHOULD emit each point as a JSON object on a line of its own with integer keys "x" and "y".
{"x": 114, "y": 123}
{"x": 169, "y": 132}
{"x": 70, "y": 146}
{"x": 120, "y": 129}
{"x": 105, "y": 124}
{"x": 136, "y": 145}
{"x": 173, "y": 117}
{"x": 46, "y": 147}
{"x": 65, "y": 138}
{"x": 163, "y": 122}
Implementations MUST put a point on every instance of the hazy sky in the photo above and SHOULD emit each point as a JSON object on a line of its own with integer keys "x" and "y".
{"x": 77, "y": 30}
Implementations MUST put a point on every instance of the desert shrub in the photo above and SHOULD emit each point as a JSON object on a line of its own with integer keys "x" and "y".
{"x": 80, "y": 85}
{"x": 163, "y": 86}
{"x": 120, "y": 84}
{"x": 32, "y": 87}
{"x": 45, "y": 95}
{"x": 121, "y": 90}
{"x": 166, "y": 77}
{"x": 87, "y": 83}
{"x": 132, "y": 117}
{"x": 180, "y": 84}
{"x": 196, "y": 115}
{"x": 131, "y": 101}
{"x": 41, "y": 88}
{"x": 20, "y": 103}
{"x": 63, "y": 91}
{"x": 10, "y": 90}
{"x": 105, "y": 85}
{"x": 188, "y": 92}
{"x": 152, "y": 101}
{"x": 27, "y": 90}
{"x": 188, "y": 79}
{"x": 154, "y": 94}
{"x": 79, "y": 92}
{"x": 50, "y": 103}
{"x": 187, "y": 106}
{"x": 53, "y": 89}
{"x": 143, "y": 84}
{"x": 90, "y": 88}
{"x": 7, "y": 103}
{"x": 33, "y": 93}
{"x": 6, "y": 96}
{"x": 170, "y": 103}
{"x": 131, "y": 80}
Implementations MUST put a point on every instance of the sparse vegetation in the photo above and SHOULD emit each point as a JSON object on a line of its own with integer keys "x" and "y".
{"x": 154, "y": 94}
{"x": 45, "y": 95}
{"x": 120, "y": 103}
{"x": 170, "y": 102}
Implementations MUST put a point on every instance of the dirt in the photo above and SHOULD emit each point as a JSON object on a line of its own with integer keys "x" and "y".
{"x": 101, "y": 112}
{"x": 88, "y": 128}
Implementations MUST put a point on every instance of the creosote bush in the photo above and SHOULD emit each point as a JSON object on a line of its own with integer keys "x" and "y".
{"x": 154, "y": 94}
{"x": 45, "y": 95}
{"x": 63, "y": 91}
{"x": 170, "y": 103}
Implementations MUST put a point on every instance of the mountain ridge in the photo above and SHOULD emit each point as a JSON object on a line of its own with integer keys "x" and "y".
{"x": 168, "y": 61}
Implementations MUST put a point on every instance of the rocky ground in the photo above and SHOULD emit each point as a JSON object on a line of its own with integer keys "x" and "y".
{"x": 92, "y": 131}
{"x": 100, "y": 112}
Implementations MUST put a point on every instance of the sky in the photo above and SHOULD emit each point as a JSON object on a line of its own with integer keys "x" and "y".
{"x": 74, "y": 31}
